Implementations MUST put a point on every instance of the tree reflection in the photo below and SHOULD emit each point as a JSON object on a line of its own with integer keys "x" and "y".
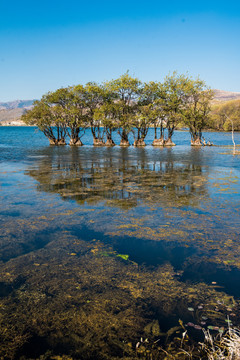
{"x": 122, "y": 177}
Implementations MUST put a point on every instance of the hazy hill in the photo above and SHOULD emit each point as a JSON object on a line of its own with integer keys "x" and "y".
{"x": 16, "y": 104}
{"x": 220, "y": 95}
{"x": 11, "y": 112}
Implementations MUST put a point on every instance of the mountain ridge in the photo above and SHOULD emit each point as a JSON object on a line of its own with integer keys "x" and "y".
{"x": 221, "y": 95}
{"x": 16, "y": 104}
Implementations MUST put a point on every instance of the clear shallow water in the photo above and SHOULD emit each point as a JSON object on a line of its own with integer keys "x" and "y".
{"x": 102, "y": 246}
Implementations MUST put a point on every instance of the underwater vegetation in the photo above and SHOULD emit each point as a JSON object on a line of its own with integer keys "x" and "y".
{"x": 83, "y": 300}
{"x": 150, "y": 197}
{"x": 114, "y": 253}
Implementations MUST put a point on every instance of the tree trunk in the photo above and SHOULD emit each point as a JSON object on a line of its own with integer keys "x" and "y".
{"x": 57, "y": 142}
{"x": 61, "y": 142}
{"x": 161, "y": 130}
{"x": 75, "y": 142}
{"x": 124, "y": 142}
{"x": 234, "y": 145}
{"x": 110, "y": 142}
{"x": 98, "y": 142}
{"x": 196, "y": 142}
{"x": 52, "y": 142}
{"x": 158, "y": 142}
{"x": 124, "y": 139}
{"x": 139, "y": 142}
{"x": 169, "y": 142}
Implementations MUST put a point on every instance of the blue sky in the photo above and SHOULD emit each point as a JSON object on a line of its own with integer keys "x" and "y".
{"x": 45, "y": 45}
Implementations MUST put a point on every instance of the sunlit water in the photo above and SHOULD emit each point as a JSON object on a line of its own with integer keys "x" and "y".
{"x": 101, "y": 247}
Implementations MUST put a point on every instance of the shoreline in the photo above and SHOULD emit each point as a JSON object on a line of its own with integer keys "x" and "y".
{"x": 182, "y": 130}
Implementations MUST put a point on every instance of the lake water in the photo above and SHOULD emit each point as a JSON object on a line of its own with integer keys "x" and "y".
{"x": 110, "y": 253}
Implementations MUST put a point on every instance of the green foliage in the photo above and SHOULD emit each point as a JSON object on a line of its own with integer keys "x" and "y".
{"x": 107, "y": 116}
{"x": 125, "y": 92}
{"x": 48, "y": 118}
{"x": 146, "y": 114}
{"x": 124, "y": 104}
{"x": 197, "y": 107}
{"x": 95, "y": 97}
{"x": 70, "y": 104}
{"x": 226, "y": 115}
{"x": 171, "y": 100}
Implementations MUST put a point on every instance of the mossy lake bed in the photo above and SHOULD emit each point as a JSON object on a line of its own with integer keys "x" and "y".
{"x": 109, "y": 253}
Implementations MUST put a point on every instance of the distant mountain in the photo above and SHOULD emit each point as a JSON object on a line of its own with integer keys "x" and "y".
{"x": 11, "y": 112}
{"x": 16, "y": 104}
{"x": 220, "y": 95}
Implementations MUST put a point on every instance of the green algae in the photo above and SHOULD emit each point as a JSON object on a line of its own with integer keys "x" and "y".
{"x": 122, "y": 256}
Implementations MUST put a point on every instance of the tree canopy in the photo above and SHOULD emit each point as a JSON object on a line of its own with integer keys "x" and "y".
{"x": 124, "y": 105}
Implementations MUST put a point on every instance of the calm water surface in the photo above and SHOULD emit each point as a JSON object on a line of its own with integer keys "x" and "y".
{"x": 103, "y": 247}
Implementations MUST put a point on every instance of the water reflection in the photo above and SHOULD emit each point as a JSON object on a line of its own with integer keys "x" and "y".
{"x": 123, "y": 177}
{"x": 136, "y": 245}
{"x": 157, "y": 195}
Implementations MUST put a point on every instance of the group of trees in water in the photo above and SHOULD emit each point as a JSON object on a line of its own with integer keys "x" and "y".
{"x": 124, "y": 105}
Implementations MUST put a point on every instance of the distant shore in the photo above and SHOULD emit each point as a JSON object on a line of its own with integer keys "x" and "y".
{"x": 12, "y": 123}
{"x": 19, "y": 123}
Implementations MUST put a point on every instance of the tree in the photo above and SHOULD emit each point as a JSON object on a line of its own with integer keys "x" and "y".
{"x": 48, "y": 118}
{"x": 146, "y": 114}
{"x": 216, "y": 117}
{"x": 152, "y": 93}
{"x": 226, "y": 116}
{"x": 71, "y": 106}
{"x": 230, "y": 113}
{"x": 124, "y": 92}
{"x": 171, "y": 102}
{"x": 107, "y": 115}
{"x": 126, "y": 104}
{"x": 95, "y": 96}
{"x": 197, "y": 108}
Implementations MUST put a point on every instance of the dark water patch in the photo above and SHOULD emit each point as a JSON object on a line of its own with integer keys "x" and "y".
{"x": 5, "y": 184}
{"x": 224, "y": 279}
{"x": 6, "y": 288}
{"x": 10, "y": 213}
{"x": 143, "y": 252}
{"x": 153, "y": 253}
{"x": 50, "y": 347}
{"x": 18, "y": 248}
{"x": 33, "y": 348}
